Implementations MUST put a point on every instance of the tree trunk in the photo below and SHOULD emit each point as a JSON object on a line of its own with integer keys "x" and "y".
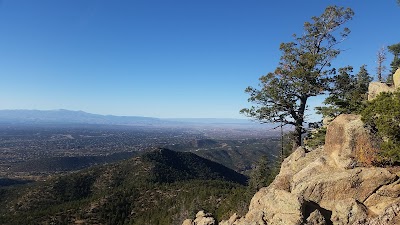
{"x": 298, "y": 131}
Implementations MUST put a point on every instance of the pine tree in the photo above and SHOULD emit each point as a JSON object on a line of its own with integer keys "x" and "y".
{"x": 260, "y": 175}
{"x": 348, "y": 92}
{"x": 363, "y": 78}
{"x": 303, "y": 72}
{"x": 382, "y": 115}
{"x": 395, "y": 64}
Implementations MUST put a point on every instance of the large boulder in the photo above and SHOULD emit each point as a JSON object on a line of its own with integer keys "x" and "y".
{"x": 294, "y": 164}
{"x": 375, "y": 88}
{"x": 268, "y": 205}
{"x": 347, "y": 142}
{"x": 325, "y": 187}
{"x": 396, "y": 78}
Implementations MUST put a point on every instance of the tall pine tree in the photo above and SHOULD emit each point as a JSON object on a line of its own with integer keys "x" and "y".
{"x": 348, "y": 92}
{"x": 303, "y": 72}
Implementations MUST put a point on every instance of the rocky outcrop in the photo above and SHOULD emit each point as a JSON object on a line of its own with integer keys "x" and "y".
{"x": 375, "y": 88}
{"x": 349, "y": 211}
{"x": 328, "y": 186}
{"x": 384, "y": 196}
{"x": 231, "y": 220}
{"x": 396, "y": 78}
{"x": 202, "y": 218}
{"x": 345, "y": 129}
{"x": 263, "y": 208}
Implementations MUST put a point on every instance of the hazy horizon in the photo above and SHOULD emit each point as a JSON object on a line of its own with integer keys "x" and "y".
{"x": 164, "y": 59}
{"x": 168, "y": 118}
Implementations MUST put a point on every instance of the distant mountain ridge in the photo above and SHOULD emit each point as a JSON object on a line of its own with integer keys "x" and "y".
{"x": 68, "y": 116}
{"x": 63, "y": 116}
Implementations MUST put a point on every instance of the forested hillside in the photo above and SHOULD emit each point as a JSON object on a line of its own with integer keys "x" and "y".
{"x": 160, "y": 187}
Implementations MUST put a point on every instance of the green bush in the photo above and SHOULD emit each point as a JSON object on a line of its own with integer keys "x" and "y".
{"x": 382, "y": 116}
{"x": 316, "y": 138}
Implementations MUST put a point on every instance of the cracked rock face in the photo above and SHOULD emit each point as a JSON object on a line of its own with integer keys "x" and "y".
{"x": 325, "y": 186}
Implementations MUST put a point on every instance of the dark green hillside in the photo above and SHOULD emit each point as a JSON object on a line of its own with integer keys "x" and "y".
{"x": 161, "y": 187}
{"x": 239, "y": 155}
{"x": 9, "y": 182}
{"x": 173, "y": 166}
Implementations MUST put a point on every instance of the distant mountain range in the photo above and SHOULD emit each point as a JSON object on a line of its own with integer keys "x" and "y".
{"x": 63, "y": 116}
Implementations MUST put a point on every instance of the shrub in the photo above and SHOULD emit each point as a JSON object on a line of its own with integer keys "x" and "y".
{"x": 316, "y": 138}
{"x": 382, "y": 116}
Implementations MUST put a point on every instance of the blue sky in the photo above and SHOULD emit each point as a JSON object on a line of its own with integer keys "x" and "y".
{"x": 175, "y": 58}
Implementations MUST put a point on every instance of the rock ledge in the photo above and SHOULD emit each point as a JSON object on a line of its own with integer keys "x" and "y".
{"x": 326, "y": 186}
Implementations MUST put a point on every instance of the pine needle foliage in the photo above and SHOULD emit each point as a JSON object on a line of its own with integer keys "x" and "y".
{"x": 348, "y": 92}
{"x": 382, "y": 115}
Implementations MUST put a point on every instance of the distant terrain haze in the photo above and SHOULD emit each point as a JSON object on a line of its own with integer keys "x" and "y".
{"x": 63, "y": 116}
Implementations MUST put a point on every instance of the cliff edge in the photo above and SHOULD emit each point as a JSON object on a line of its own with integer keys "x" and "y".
{"x": 329, "y": 185}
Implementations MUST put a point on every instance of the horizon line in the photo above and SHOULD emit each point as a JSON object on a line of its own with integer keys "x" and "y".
{"x": 101, "y": 114}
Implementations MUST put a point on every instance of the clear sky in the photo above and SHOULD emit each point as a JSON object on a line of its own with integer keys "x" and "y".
{"x": 163, "y": 58}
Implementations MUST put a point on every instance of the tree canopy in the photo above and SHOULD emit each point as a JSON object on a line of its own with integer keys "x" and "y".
{"x": 382, "y": 115}
{"x": 395, "y": 50}
{"x": 348, "y": 92}
{"x": 303, "y": 71}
